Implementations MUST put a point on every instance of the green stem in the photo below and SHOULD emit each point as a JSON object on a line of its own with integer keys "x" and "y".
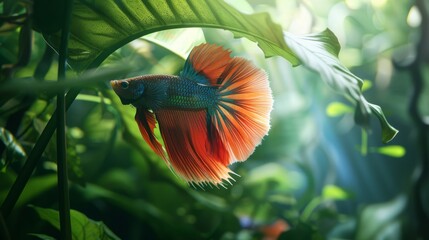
{"x": 364, "y": 143}
{"x": 306, "y": 213}
{"x": 86, "y": 80}
{"x": 4, "y": 233}
{"x": 63, "y": 186}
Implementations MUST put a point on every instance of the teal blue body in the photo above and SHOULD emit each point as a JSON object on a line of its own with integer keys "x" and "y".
{"x": 176, "y": 92}
{"x": 189, "y": 90}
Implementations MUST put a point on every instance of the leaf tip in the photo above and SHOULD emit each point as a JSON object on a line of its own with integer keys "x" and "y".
{"x": 389, "y": 134}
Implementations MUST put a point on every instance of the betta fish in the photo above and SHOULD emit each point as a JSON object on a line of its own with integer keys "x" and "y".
{"x": 213, "y": 114}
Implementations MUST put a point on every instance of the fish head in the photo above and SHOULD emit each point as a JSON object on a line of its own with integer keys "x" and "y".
{"x": 129, "y": 91}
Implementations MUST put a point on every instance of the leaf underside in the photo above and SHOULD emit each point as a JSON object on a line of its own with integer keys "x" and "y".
{"x": 100, "y": 27}
{"x": 319, "y": 52}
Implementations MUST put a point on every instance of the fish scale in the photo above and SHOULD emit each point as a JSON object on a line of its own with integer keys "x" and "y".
{"x": 187, "y": 94}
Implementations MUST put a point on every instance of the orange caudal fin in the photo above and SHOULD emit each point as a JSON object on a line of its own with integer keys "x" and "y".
{"x": 146, "y": 122}
{"x": 242, "y": 115}
{"x": 243, "y": 111}
{"x": 192, "y": 155}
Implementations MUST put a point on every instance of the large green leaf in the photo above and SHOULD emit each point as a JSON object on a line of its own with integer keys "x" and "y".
{"x": 82, "y": 227}
{"x": 99, "y": 27}
{"x": 178, "y": 41}
{"x": 319, "y": 52}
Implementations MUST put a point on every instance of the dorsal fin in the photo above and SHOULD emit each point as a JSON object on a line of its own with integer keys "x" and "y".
{"x": 205, "y": 63}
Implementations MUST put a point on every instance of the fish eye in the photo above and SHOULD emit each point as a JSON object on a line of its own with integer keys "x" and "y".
{"x": 124, "y": 84}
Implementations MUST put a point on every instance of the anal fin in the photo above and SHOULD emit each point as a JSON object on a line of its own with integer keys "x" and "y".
{"x": 195, "y": 155}
{"x": 146, "y": 122}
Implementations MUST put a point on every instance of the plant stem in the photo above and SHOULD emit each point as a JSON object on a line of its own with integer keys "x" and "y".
{"x": 33, "y": 159}
{"x": 364, "y": 143}
{"x": 422, "y": 169}
{"x": 309, "y": 209}
{"x": 4, "y": 233}
{"x": 421, "y": 172}
{"x": 63, "y": 186}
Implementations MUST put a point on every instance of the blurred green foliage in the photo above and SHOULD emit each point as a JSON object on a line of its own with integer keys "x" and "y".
{"x": 310, "y": 171}
{"x": 83, "y": 228}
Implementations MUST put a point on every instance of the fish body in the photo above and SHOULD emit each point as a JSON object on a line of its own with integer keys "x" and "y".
{"x": 167, "y": 91}
{"x": 213, "y": 114}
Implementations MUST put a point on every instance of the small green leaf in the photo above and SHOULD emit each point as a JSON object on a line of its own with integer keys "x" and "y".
{"x": 336, "y": 109}
{"x": 82, "y": 227}
{"x": 388, "y": 132}
{"x": 319, "y": 52}
{"x": 333, "y": 192}
{"x": 396, "y": 151}
{"x": 14, "y": 150}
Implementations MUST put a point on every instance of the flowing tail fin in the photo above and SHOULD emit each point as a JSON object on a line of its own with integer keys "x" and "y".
{"x": 192, "y": 154}
{"x": 243, "y": 112}
{"x": 242, "y": 115}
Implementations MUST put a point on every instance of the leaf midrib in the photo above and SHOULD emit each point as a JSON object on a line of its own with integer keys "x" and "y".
{"x": 183, "y": 25}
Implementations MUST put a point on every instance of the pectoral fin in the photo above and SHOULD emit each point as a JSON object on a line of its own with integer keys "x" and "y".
{"x": 146, "y": 122}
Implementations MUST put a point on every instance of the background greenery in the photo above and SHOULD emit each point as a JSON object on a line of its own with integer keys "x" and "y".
{"x": 317, "y": 174}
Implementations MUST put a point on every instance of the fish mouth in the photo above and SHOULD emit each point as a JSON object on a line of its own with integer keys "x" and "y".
{"x": 113, "y": 83}
{"x": 116, "y": 86}
{"x": 125, "y": 101}
{"x": 117, "y": 89}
